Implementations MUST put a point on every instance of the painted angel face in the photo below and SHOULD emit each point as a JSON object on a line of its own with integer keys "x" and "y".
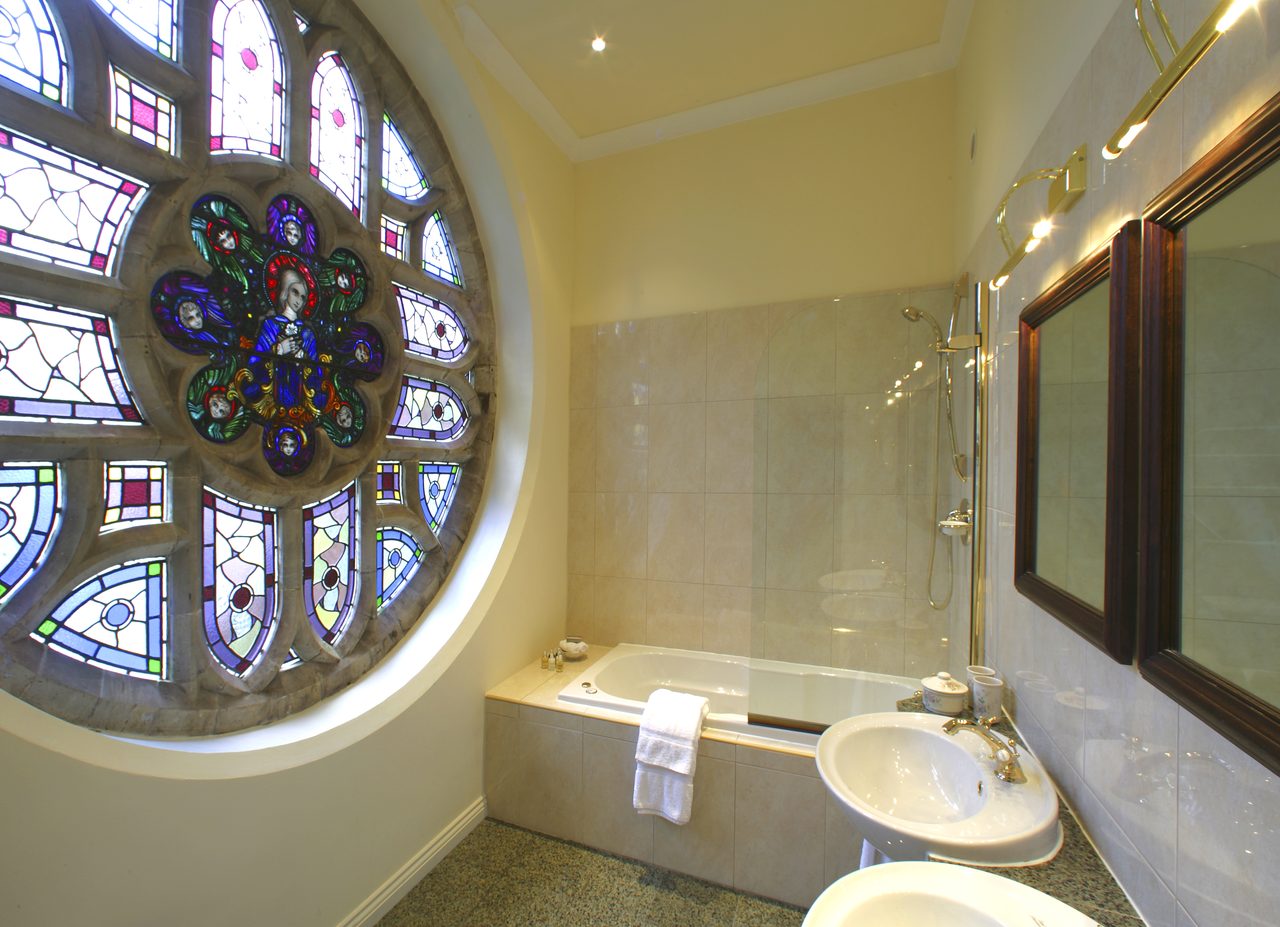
{"x": 343, "y": 416}
{"x": 292, "y": 232}
{"x": 293, "y": 293}
{"x": 288, "y": 444}
{"x": 225, "y": 239}
{"x": 362, "y": 352}
{"x": 191, "y": 315}
{"x": 219, "y": 407}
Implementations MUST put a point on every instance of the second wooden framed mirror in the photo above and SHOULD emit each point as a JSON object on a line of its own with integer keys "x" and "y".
{"x": 1074, "y": 546}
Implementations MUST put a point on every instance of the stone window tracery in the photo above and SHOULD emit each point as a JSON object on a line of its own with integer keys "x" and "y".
{"x": 261, "y": 352}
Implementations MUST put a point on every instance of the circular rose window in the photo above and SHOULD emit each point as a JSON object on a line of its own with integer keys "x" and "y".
{"x": 245, "y": 348}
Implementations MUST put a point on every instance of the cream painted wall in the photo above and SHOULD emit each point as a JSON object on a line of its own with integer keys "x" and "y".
{"x": 1016, "y": 62}
{"x": 309, "y": 844}
{"x": 839, "y": 197}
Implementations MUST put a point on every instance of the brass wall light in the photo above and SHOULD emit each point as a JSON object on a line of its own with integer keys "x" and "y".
{"x": 1067, "y": 185}
{"x": 1222, "y": 18}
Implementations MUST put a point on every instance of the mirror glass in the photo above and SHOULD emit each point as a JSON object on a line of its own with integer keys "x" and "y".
{"x": 1071, "y": 486}
{"x": 1231, "y": 438}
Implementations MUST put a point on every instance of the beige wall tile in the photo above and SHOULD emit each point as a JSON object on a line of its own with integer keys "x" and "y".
{"x": 802, "y": 444}
{"x": 621, "y": 534}
{"x": 791, "y": 763}
{"x": 675, "y": 542}
{"x": 802, "y": 357}
{"x": 622, "y": 449}
{"x": 799, "y": 545}
{"x": 704, "y": 846}
{"x": 737, "y": 445}
{"x": 872, "y": 443}
{"x": 608, "y": 820}
{"x": 582, "y": 532}
{"x": 622, "y": 364}
{"x": 620, "y": 611}
{"x": 678, "y": 358}
{"x": 674, "y": 615}
{"x": 549, "y": 784}
{"x": 843, "y": 842}
{"x": 581, "y": 620}
{"x": 677, "y": 447}
{"x": 582, "y": 450}
{"x": 872, "y": 533}
{"x": 737, "y": 353}
{"x": 734, "y": 550}
{"x": 776, "y": 818}
{"x": 871, "y": 343}
{"x": 727, "y": 618}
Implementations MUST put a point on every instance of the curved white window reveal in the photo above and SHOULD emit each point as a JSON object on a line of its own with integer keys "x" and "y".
{"x": 31, "y": 50}
{"x": 246, "y": 106}
{"x": 154, "y": 23}
{"x": 337, "y": 133}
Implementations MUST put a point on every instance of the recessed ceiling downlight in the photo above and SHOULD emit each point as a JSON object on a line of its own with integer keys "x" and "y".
{"x": 598, "y": 44}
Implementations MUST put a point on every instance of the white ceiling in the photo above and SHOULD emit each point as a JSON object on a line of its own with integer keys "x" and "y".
{"x": 676, "y": 67}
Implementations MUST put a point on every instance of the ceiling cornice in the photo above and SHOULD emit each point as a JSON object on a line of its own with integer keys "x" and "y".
{"x": 869, "y": 75}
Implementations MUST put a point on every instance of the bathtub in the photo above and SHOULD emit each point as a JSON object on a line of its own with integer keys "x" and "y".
{"x": 793, "y": 701}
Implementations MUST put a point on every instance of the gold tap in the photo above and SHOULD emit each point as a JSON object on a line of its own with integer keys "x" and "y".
{"x": 1005, "y": 754}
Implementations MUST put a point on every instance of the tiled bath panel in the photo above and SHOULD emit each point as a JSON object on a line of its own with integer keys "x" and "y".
{"x": 758, "y": 481}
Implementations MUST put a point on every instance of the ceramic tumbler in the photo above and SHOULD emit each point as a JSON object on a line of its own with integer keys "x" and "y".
{"x": 988, "y": 697}
{"x": 971, "y": 673}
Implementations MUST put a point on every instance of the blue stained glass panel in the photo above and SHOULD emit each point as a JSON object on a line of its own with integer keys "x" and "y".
{"x": 428, "y": 411}
{"x": 337, "y": 133}
{"x": 57, "y": 207}
{"x": 239, "y": 573}
{"x": 117, "y": 621}
{"x": 430, "y": 327}
{"x": 401, "y": 174}
{"x": 60, "y": 365}
{"x": 30, "y": 515}
{"x": 31, "y": 49}
{"x": 330, "y": 558}
{"x": 438, "y": 483}
{"x": 438, "y": 257}
{"x": 246, "y": 105}
{"x": 154, "y": 23}
{"x": 388, "y": 482}
{"x": 398, "y": 556}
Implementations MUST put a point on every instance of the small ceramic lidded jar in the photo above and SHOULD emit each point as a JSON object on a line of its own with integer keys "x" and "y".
{"x": 943, "y": 695}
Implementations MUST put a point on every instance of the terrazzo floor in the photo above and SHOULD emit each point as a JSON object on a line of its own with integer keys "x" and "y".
{"x": 503, "y": 876}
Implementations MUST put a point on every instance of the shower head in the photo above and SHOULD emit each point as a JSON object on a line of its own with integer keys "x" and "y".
{"x": 912, "y": 314}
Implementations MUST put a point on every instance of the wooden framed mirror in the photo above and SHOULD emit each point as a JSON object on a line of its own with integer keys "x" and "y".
{"x": 1209, "y": 606}
{"x": 1077, "y": 516}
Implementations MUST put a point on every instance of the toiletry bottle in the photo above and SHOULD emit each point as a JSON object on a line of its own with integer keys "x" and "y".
{"x": 545, "y": 660}
{"x": 559, "y": 662}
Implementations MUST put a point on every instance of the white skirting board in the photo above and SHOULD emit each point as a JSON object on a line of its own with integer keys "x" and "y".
{"x": 413, "y": 871}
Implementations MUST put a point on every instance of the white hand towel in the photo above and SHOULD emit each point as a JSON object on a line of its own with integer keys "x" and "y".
{"x": 664, "y": 793}
{"x": 670, "y": 729}
{"x": 667, "y": 753}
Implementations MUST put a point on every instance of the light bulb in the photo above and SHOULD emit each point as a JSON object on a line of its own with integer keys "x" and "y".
{"x": 1234, "y": 12}
{"x": 598, "y": 44}
{"x": 1042, "y": 229}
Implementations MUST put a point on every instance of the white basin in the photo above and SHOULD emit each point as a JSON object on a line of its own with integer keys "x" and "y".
{"x": 936, "y": 895}
{"x": 916, "y": 792}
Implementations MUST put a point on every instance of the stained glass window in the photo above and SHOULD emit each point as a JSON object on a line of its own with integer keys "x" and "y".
{"x": 247, "y": 95}
{"x": 31, "y": 52}
{"x": 58, "y": 207}
{"x": 398, "y": 556}
{"x": 438, "y": 258}
{"x": 388, "y": 482}
{"x": 291, "y": 661}
{"x": 401, "y": 174}
{"x": 139, "y": 111}
{"x": 395, "y": 238}
{"x": 59, "y": 364}
{"x": 431, "y": 328}
{"x": 438, "y": 483}
{"x": 30, "y": 513}
{"x": 154, "y": 23}
{"x": 337, "y": 133}
{"x": 303, "y": 25}
{"x": 330, "y": 562}
{"x": 116, "y": 621}
{"x": 428, "y": 411}
{"x": 135, "y": 493}
{"x": 239, "y": 570}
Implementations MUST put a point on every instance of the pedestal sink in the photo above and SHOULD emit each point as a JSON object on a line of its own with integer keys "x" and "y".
{"x": 903, "y": 894}
{"x": 916, "y": 792}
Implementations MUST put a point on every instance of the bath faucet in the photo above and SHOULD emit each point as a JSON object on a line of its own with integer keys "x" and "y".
{"x": 1005, "y": 754}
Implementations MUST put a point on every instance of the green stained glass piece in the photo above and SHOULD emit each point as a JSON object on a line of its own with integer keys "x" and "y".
{"x": 46, "y": 628}
{"x": 153, "y": 666}
{"x": 153, "y": 569}
{"x": 46, "y": 474}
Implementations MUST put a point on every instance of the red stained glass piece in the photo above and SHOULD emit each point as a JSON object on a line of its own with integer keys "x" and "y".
{"x": 241, "y": 596}
{"x": 330, "y": 578}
